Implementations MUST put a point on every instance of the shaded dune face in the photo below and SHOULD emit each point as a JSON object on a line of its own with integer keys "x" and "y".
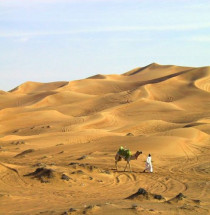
{"x": 72, "y": 131}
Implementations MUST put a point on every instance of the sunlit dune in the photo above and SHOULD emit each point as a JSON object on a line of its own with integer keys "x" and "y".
{"x": 58, "y": 142}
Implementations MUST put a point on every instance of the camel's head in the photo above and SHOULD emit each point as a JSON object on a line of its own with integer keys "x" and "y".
{"x": 138, "y": 153}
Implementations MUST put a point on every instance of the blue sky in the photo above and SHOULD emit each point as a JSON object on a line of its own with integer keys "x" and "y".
{"x": 54, "y": 40}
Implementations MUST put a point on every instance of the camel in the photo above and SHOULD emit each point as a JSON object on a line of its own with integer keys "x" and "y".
{"x": 119, "y": 156}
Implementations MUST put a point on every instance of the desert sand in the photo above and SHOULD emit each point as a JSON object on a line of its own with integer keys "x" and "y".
{"x": 58, "y": 142}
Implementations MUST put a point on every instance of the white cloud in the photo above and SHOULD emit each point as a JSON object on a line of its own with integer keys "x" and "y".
{"x": 186, "y": 27}
{"x": 25, "y": 3}
{"x": 199, "y": 39}
{"x": 204, "y": 5}
{"x": 23, "y": 39}
{"x": 28, "y": 2}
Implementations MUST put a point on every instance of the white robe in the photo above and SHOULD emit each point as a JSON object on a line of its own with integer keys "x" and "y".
{"x": 149, "y": 164}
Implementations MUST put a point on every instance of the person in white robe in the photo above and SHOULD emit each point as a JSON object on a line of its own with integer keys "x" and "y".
{"x": 149, "y": 164}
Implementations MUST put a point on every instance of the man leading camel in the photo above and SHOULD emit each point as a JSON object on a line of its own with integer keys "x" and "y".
{"x": 149, "y": 164}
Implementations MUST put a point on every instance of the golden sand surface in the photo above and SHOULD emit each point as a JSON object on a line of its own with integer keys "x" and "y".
{"x": 58, "y": 143}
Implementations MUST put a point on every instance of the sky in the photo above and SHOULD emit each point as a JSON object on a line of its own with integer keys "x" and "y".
{"x": 65, "y": 40}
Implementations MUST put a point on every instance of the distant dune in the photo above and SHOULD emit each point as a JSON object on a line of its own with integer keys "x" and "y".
{"x": 72, "y": 130}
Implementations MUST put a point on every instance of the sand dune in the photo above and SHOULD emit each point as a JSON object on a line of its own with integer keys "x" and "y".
{"x": 2, "y": 92}
{"x": 32, "y": 87}
{"x": 58, "y": 142}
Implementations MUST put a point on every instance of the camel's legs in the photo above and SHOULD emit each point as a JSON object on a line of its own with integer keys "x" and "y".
{"x": 126, "y": 166}
{"x": 116, "y": 164}
{"x": 129, "y": 166}
{"x": 117, "y": 158}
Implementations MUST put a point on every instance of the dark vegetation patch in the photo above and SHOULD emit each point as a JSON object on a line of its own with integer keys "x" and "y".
{"x": 42, "y": 173}
{"x": 65, "y": 177}
{"x": 24, "y": 153}
{"x": 129, "y": 134}
{"x": 180, "y": 196}
{"x": 79, "y": 172}
{"x": 83, "y": 157}
{"x": 142, "y": 194}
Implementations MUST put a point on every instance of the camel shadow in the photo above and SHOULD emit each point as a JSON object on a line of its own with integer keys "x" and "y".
{"x": 137, "y": 172}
